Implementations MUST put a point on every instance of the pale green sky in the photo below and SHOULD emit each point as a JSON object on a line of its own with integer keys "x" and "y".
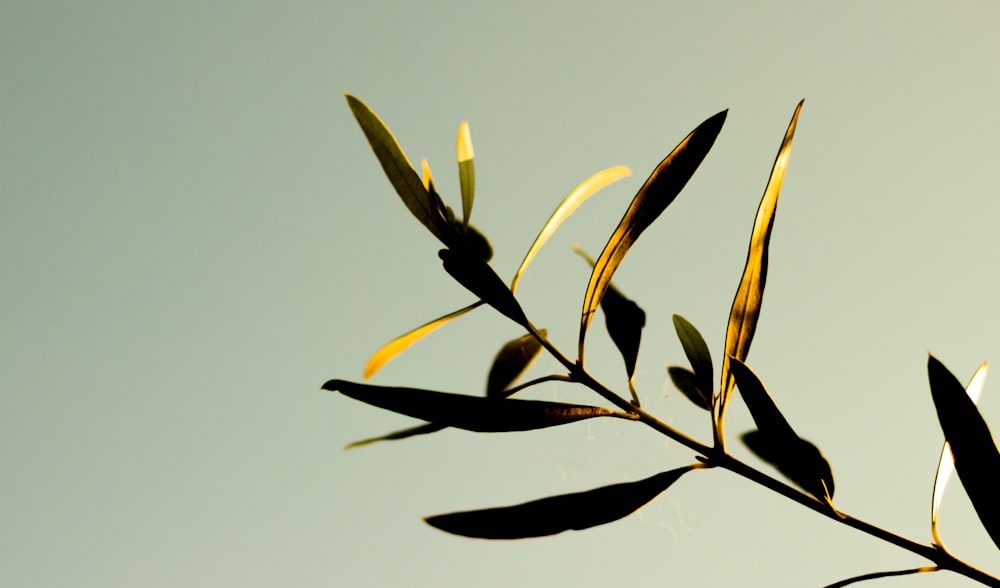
{"x": 195, "y": 236}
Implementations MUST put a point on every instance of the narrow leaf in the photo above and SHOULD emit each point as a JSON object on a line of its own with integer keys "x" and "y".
{"x": 977, "y": 460}
{"x": 399, "y": 170}
{"x": 555, "y": 514}
{"x": 398, "y": 345}
{"x": 750, "y": 292}
{"x": 478, "y": 277}
{"x": 762, "y": 407}
{"x": 398, "y": 435}
{"x": 569, "y": 204}
{"x": 697, "y": 353}
{"x": 472, "y": 413}
{"x": 687, "y": 382}
{"x": 660, "y": 189}
{"x": 466, "y": 170}
{"x": 877, "y": 575}
{"x": 510, "y": 362}
{"x": 946, "y": 463}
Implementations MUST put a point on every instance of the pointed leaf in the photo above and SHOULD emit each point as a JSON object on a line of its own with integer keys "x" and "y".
{"x": 510, "y": 362}
{"x": 762, "y": 407}
{"x": 401, "y": 434}
{"x": 577, "y": 197}
{"x": 877, "y": 575}
{"x": 660, "y": 189}
{"x": 977, "y": 459}
{"x": 687, "y": 382}
{"x": 750, "y": 292}
{"x": 946, "y": 463}
{"x": 422, "y": 204}
{"x": 697, "y": 353}
{"x": 472, "y": 413}
{"x": 478, "y": 277}
{"x": 390, "y": 350}
{"x": 466, "y": 170}
{"x": 556, "y": 514}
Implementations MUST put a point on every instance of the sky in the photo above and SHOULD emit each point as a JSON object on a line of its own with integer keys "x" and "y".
{"x": 195, "y": 236}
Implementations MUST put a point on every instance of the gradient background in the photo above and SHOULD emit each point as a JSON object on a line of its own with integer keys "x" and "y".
{"x": 195, "y": 236}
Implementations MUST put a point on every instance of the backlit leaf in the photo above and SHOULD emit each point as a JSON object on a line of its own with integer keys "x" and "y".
{"x": 569, "y": 204}
{"x": 466, "y": 170}
{"x": 659, "y": 190}
{"x": 398, "y": 345}
{"x": 422, "y": 204}
{"x": 556, "y": 514}
{"x": 398, "y": 435}
{"x": 472, "y": 413}
{"x": 750, "y": 292}
{"x": 697, "y": 353}
{"x": 946, "y": 463}
{"x": 687, "y": 382}
{"x": 510, "y": 362}
{"x": 977, "y": 459}
{"x": 478, "y": 277}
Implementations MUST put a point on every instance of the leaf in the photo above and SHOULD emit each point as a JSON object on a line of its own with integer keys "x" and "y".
{"x": 401, "y": 434}
{"x": 555, "y": 514}
{"x": 424, "y": 205}
{"x": 510, "y": 362}
{"x": 946, "y": 463}
{"x": 660, "y": 189}
{"x": 478, "y": 243}
{"x": 472, "y": 413}
{"x": 687, "y": 382}
{"x": 398, "y": 345}
{"x": 877, "y": 575}
{"x": 977, "y": 460}
{"x": 750, "y": 292}
{"x": 569, "y": 204}
{"x": 776, "y": 442}
{"x": 697, "y": 353}
{"x": 478, "y": 277}
{"x": 466, "y": 170}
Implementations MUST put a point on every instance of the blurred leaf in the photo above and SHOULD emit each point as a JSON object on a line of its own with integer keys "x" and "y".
{"x": 750, "y": 293}
{"x": 556, "y": 514}
{"x": 624, "y": 320}
{"x": 422, "y": 204}
{"x": 401, "y": 434}
{"x": 428, "y": 177}
{"x": 398, "y": 345}
{"x": 510, "y": 362}
{"x": 478, "y": 277}
{"x": 776, "y": 442}
{"x": 697, "y": 353}
{"x": 687, "y": 382}
{"x": 577, "y": 197}
{"x": 478, "y": 243}
{"x": 466, "y": 170}
{"x": 660, "y": 189}
{"x": 977, "y": 460}
{"x": 946, "y": 463}
{"x": 472, "y": 413}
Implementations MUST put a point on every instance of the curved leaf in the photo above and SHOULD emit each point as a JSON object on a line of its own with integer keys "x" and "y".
{"x": 750, "y": 292}
{"x": 466, "y": 170}
{"x": 478, "y": 277}
{"x": 687, "y": 382}
{"x": 510, "y": 362}
{"x": 556, "y": 514}
{"x": 425, "y": 206}
{"x": 946, "y": 463}
{"x": 697, "y": 353}
{"x": 398, "y": 435}
{"x": 977, "y": 459}
{"x": 877, "y": 575}
{"x": 390, "y": 350}
{"x": 569, "y": 204}
{"x": 472, "y": 413}
{"x": 660, "y": 189}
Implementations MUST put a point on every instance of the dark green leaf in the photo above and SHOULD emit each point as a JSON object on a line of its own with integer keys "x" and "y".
{"x": 977, "y": 460}
{"x": 697, "y": 353}
{"x": 687, "y": 382}
{"x": 472, "y": 413}
{"x": 556, "y": 514}
{"x": 510, "y": 362}
{"x": 776, "y": 442}
{"x": 745, "y": 310}
{"x": 478, "y": 277}
{"x": 660, "y": 189}
{"x": 401, "y": 434}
